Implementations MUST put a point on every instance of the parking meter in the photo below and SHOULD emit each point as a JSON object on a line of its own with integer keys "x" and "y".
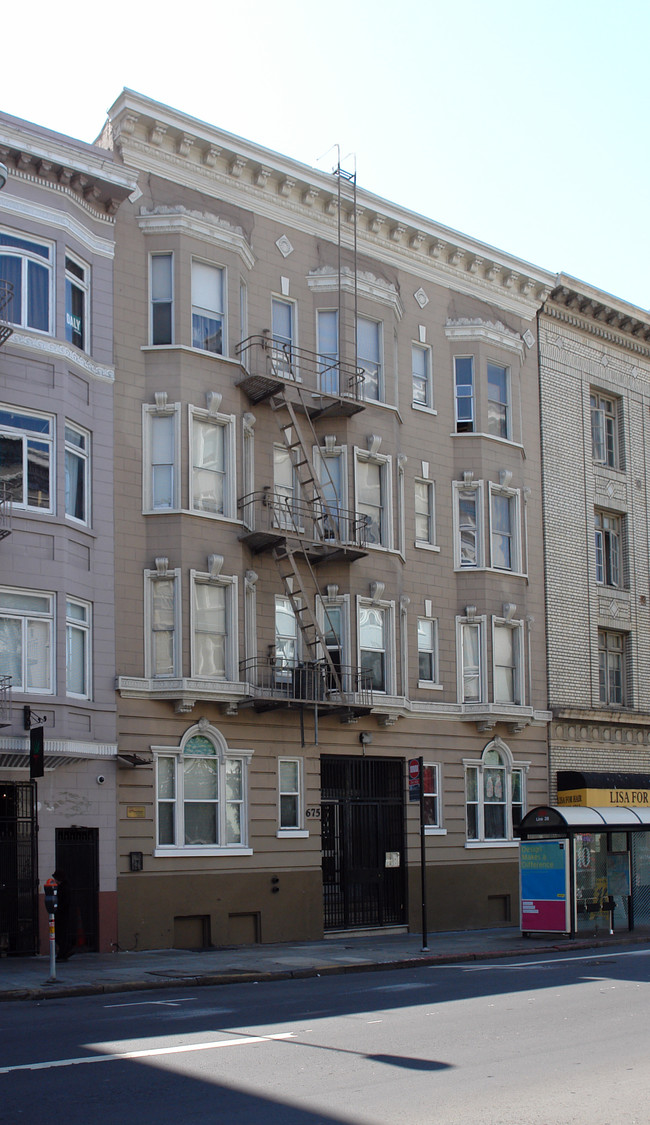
{"x": 50, "y": 889}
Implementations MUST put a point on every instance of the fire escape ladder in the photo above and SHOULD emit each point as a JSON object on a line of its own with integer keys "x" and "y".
{"x": 313, "y": 638}
{"x": 310, "y": 484}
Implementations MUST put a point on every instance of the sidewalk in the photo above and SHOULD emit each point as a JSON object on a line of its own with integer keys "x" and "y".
{"x": 87, "y": 974}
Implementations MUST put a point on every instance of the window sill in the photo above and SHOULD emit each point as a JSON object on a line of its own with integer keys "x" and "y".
{"x": 191, "y": 852}
{"x": 430, "y": 830}
{"x": 192, "y": 351}
{"x": 292, "y": 834}
{"x": 490, "y": 570}
{"x": 429, "y": 685}
{"x": 472, "y": 845}
{"x": 490, "y": 437}
{"x": 423, "y": 409}
{"x": 422, "y": 546}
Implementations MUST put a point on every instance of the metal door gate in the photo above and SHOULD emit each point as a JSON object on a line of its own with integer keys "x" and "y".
{"x": 362, "y": 827}
{"x": 77, "y": 858}
{"x": 18, "y": 868}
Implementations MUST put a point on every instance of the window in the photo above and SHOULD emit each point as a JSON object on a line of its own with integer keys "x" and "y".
{"x": 283, "y": 333}
{"x": 604, "y": 430}
{"x": 26, "y": 623}
{"x": 286, "y": 641}
{"x": 431, "y": 794}
{"x": 421, "y": 374}
{"x": 373, "y": 500}
{"x": 77, "y": 473}
{"x": 333, "y": 616}
{"x": 201, "y": 796}
{"x": 504, "y": 529}
{"x": 498, "y": 400}
{"x": 376, "y": 644}
{"x": 507, "y": 650}
{"x": 161, "y": 439}
{"x": 290, "y": 793}
{"x": 214, "y": 631}
{"x": 162, "y": 621}
{"x": 76, "y": 302}
{"x": 162, "y": 331}
{"x": 77, "y": 618}
{"x": 27, "y": 266}
{"x": 369, "y": 358}
{"x": 425, "y": 528}
{"x": 285, "y": 489}
{"x": 427, "y": 651}
{"x": 494, "y": 794}
{"x": 327, "y": 324}
{"x": 608, "y": 549}
{"x": 464, "y": 384}
{"x": 208, "y": 322}
{"x": 26, "y": 459}
{"x": 330, "y": 465}
{"x": 611, "y": 652}
{"x": 468, "y": 520}
{"x": 470, "y": 640}
{"x": 212, "y": 485}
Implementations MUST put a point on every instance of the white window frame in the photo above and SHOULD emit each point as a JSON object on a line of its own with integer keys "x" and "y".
{"x": 513, "y": 497}
{"x": 27, "y": 257}
{"x": 151, "y": 577}
{"x": 608, "y": 547}
{"x": 476, "y": 769}
{"x": 28, "y": 618}
{"x": 216, "y": 315}
{"x": 387, "y": 609}
{"x": 463, "y": 623}
{"x": 297, "y": 830}
{"x": 167, "y": 299}
{"x": 150, "y": 414}
{"x": 460, "y": 489}
{"x": 605, "y": 649}
{"x": 433, "y": 827}
{"x": 322, "y": 456}
{"x": 516, "y": 628}
{"x": 432, "y": 651}
{"x": 79, "y": 454}
{"x": 328, "y": 361}
{"x": 373, "y": 369}
{"x": 465, "y": 425}
{"x": 430, "y": 488}
{"x": 504, "y": 408}
{"x": 229, "y": 584}
{"x": 223, "y": 755}
{"x": 227, "y": 422}
{"x": 283, "y": 348}
{"x": 605, "y": 448}
{"x": 82, "y": 285}
{"x": 340, "y": 602}
{"x": 284, "y": 672}
{"x": 17, "y": 428}
{"x": 426, "y": 379}
{"x": 385, "y": 465}
{"x": 81, "y": 627}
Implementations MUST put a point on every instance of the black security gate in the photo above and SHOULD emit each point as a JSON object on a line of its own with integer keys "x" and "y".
{"x": 77, "y": 859}
{"x": 18, "y": 868}
{"x": 363, "y": 842}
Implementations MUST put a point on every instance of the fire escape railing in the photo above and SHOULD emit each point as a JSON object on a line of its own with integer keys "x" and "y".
{"x": 280, "y": 679}
{"x": 5, "y": 700}
{"x": 319, "y": 374}
{"x": 266, "y": 511}
{"x": 5, "y": 511}
{"x": 6, "y": 297}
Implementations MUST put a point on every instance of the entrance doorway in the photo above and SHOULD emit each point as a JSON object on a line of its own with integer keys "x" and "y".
{"x": 363, "y": 847}
{"x": 18, "y": 868}
{"x": 77, "y": 857}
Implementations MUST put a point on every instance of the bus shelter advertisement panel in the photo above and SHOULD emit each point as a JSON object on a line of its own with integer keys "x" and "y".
{"x": 544, "y": 879}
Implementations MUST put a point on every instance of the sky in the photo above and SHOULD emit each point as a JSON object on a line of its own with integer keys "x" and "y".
{"x": 519, "y": 124}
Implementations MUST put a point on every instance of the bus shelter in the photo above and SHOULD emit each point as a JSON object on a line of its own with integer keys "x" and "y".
{"x": 584, "y": 869}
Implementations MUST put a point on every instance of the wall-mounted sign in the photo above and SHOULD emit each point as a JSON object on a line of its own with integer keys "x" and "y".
{"x": 392, "y": 859}
{"x": 136, "y": 812}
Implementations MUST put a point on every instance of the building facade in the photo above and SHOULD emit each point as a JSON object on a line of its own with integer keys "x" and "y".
{"x": 328, "y": 550}
{"x": 57, "y": 654}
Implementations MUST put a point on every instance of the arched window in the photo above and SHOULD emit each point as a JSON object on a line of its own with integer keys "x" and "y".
{"x": 494, "y": 794}
{"x": 201, "y": 795}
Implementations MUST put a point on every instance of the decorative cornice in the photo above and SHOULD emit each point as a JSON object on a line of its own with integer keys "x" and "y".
{"x": 52, "y": 347}
{"x": 326, "y": 280}
{"x": 637, "y": 341}
{"x": 291, "y": 192}
{"x": 466, "y": 328}
{"x": 61, "y": 220}
{"x": 201, "y": 224}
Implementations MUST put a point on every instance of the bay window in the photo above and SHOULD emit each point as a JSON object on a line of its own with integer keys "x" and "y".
{"x": 26, "y": 631}
{"x": 26, "y": 458}
{"x": 27, "y": 266}
{"x": 208, "y": 320}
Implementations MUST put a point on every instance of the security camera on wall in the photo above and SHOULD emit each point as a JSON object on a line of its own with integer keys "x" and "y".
{"x": 101, "y": 779}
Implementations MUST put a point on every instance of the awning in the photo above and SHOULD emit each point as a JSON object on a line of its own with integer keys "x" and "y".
{"x": 556, "y": 820}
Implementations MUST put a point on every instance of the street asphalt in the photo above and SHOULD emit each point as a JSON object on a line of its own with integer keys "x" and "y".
{"x": 28, "y": 978}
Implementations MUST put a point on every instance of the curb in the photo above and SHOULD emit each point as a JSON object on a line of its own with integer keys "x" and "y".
{"x": 245, "y": 976}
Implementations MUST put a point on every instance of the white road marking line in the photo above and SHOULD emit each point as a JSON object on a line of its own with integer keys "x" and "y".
{"x": 150, "y": 1052}
{"x": 141, "y": 1003}
{"x": 596, "y": 954}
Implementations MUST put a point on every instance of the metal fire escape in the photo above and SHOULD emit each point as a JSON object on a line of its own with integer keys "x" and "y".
{"x": 306, "y": 529}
